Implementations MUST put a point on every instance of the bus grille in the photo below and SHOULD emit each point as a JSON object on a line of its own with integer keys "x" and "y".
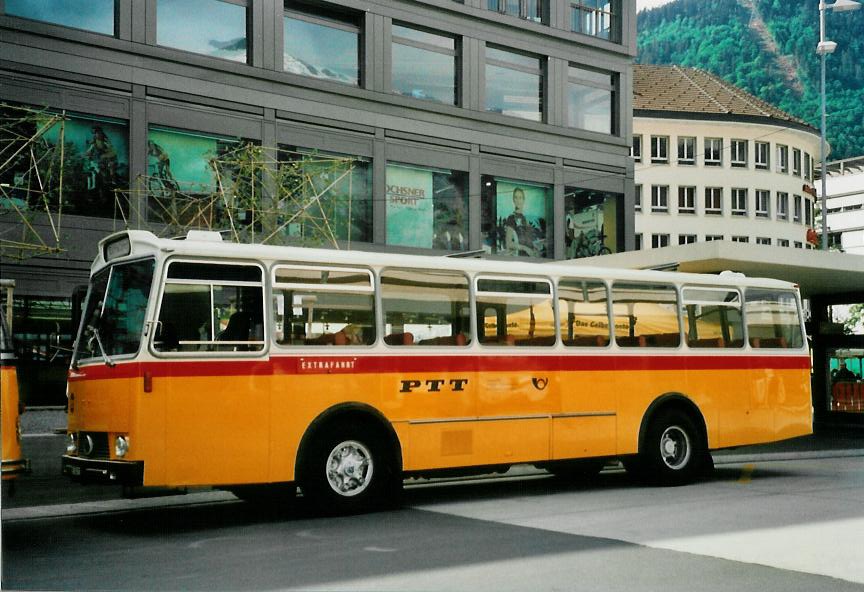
{"x": 99, "y": 447}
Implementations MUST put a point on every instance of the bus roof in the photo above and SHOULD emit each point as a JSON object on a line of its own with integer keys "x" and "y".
{"x": 202, "y": 244}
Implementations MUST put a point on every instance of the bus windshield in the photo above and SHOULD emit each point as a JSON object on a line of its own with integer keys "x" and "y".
{"x": 115, "y": 310}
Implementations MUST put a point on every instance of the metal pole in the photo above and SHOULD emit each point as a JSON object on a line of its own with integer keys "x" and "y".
{"x": 824, "y": 173}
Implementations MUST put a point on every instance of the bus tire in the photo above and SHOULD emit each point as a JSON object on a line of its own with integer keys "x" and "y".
{"x": 673, "y": 452}
{"x": 349, "y": 469}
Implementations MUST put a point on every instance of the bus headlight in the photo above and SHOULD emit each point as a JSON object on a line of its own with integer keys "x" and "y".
{"x": 72, "y": 444}
{"x": 121, "y": 446}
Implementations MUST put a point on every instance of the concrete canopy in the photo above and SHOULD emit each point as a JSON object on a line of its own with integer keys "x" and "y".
{"x": 832, "y": 275}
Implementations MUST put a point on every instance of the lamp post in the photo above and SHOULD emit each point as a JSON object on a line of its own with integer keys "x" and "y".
{"x": 823, "y": 49}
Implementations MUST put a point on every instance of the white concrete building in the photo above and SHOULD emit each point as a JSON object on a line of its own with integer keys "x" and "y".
{"x": 716, "y": 163}
{"x": 845, "y": 199}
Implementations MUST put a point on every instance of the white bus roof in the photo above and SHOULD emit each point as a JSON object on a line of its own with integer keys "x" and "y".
{"x": 200, "y": 244}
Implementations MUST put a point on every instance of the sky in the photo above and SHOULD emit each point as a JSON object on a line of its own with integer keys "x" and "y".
{"x": 643, "y": 4}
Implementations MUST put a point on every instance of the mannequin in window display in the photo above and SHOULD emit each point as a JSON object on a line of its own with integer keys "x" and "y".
{"x": 518, "y": 232}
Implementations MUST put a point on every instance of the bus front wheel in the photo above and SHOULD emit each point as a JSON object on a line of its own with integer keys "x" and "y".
{"x": 349, "y": 469}
{"x": 673, "y": 452}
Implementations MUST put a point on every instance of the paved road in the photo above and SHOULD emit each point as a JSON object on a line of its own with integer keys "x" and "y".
{"x": 762, "y": 525}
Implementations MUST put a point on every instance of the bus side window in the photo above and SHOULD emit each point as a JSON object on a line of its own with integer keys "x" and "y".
{"x": 515, "y": 312}
{"x": 712, "y": 318}
{"x": 323, "y": 306}
{"x": 425, "y": 308}
{"x": 645, "y": 315}
{"x": 209, "y": 307}
{"x": 772, "y": 319}
{"x": 583, "y": 313}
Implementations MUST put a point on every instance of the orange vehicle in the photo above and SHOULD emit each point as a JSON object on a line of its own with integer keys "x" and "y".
{"x": 202, "y": 362}
{"x": 13, "y": 463}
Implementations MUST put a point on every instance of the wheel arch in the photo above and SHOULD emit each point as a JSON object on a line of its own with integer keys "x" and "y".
{"x": 673, "y": 401}
{"x": 356, "y": 413}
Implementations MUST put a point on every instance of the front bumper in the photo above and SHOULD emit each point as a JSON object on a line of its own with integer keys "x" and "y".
{"x": 88, "y": 470}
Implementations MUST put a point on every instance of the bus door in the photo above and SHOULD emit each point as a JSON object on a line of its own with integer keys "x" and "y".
{"x": 517, "y": 388}
{"x": 210, "y": 336}
{"x": 586, "y": 422}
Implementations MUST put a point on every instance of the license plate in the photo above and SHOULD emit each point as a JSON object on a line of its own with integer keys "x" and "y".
{"x": 75, "y": 471}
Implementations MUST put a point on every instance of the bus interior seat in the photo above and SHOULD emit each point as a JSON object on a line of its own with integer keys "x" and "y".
{"x": 627, "y": 341}
{"x": 587, "y": 341}
{"x": 664, "y": 340}
{"x": 713, "y": 342}
{"x": 406, "y": 338}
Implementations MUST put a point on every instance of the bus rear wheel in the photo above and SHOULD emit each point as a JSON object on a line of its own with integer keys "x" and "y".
{"x": 674, "y": 451}
{"x": 349, "y": 470}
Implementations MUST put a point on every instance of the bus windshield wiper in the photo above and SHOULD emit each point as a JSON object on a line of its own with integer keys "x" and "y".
{"x": 94, "y": 334}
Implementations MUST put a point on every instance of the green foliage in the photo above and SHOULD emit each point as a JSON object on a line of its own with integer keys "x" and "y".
{"x": 716, "y": 36}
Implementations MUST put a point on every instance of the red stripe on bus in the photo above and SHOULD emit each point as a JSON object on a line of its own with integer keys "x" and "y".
{"x": 311, "y": 364}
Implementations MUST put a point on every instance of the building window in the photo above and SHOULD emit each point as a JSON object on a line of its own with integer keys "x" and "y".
{"x": 763, "y": 155}
{"x": 178, "y": 26}
{"x": 660, "y": 149}
{"x": 327, "y": 197}
{"x": 782, "y": 242}
{"x": 807, "y": 167}
{"x": 590, "y": 223}
{"x": 515, "y": 218}
{"x": 637, "y": 198}
{"x": 659, "y": 198}
{"x": 636, "y": 153}
{"x": 686, "y": 200}
{"x": 799, "y": 245}
{"x": 598, "y": 18}
{"x": 796, "y": 211}
{"x": 763, "y": 240}
{"x": 739, "y": 201}
{"x": 95, "y": 156}
{"x": 427, "y": 208}
{"x": 591, "y": 100}
{"x": 713, "y": 152}
{"x": 686, "y": 239}
{"x": 782, "y": 205}
{"x": 796, "y": 162}
{"x": 740, "y": 239}
{"x": 808, "y": 212}
{"x": 738, "y": 156}
{"x": 638, "y": 241}
{"x": 763, "y": 203}
{"x": 89, "y": 15}
{"x": 686, "y": 150}
{"x": 659, "y": 240}
{"x": 713, "y": 237}
{"x": 714, "y": 200}
{"x": 530, "y": 10}
{"x": 424, "y": 65}
{"x": 782, "y": 159}
{"x": 322, "y": 43}
{"x": 514, "y": 84}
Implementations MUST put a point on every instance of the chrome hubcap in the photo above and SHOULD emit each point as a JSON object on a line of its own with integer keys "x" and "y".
{"x": 349, "y": 468}
{"x": 675, "y": 447}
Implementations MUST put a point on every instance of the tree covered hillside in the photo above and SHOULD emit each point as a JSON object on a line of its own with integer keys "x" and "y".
{"x": 768, "y": 47}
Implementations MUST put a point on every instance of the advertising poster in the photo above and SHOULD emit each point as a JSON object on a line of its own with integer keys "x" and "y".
{"x": 589, "y": 225}
{"x": 409, "y": 207}
{"x": 96, "y": 164}
{"x": 521, "y": 219}
{"x": 180, "y": 161}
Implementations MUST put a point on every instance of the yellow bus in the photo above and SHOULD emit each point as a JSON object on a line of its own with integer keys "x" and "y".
{"x": 13, "y": 462}
{"x": 202, "y": 362}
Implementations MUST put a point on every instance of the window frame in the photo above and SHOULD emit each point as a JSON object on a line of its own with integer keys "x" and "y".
{"x": 165, "y": 281}
{"x": 455, "y": 53}
{"x": 659, "y": 198}
{"x": 762, "y": 156}
{"x": 541, "y": 71}
{"x": 714, "y": 201}
{"x": 659, "y": 144}
{"x": 737, "y": 209}
{"x": 762, "y": 203}
{"x": 476, "y": 293}
{"x": 686, "y": 144}
{"x": 738, "y": 153}
{"x": 687, "y": 199}
{"x": 332, "y": 19}
{"x": 713, "y": 152}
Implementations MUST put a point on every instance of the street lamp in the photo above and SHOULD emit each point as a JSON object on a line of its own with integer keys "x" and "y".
{"x": 823, "y": 49}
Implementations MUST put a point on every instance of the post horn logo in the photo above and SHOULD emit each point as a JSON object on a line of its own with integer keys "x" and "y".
{"x": 540, "y": 383}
